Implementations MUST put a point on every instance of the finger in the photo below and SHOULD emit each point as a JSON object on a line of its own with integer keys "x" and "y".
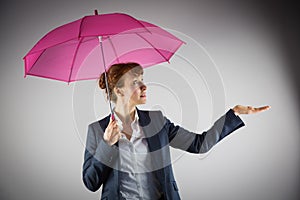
{"x": 263, "y": 108}
{"x": 116, "y": 135}
{"x": 111, "y": 126}
{"x": 112, "y": 123}
{"x": 266, "y": 107}
{"x": 115, "y": 125}
{"x": 116, "y": 129}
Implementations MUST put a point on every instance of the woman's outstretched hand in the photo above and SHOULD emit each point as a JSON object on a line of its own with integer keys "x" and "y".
{"x": 239, "y": 109}
{"x": 112, "y": 133}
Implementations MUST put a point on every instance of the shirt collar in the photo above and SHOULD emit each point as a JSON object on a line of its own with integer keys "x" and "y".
{"x": 135, "y": 120}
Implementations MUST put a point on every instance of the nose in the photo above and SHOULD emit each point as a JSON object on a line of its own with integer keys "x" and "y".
{"x": 143, "y": 86}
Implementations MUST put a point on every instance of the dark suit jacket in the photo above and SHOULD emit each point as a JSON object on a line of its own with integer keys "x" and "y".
{"x": 101, "y": 165}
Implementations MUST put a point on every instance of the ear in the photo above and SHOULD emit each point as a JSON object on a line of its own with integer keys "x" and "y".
{"x": 119, "y": 91}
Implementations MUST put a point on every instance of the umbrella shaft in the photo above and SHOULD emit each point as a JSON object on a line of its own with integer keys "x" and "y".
{"x": 105, "y": 77}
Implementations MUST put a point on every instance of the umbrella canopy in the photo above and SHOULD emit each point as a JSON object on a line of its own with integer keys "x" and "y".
{"x": 81, "y": 50}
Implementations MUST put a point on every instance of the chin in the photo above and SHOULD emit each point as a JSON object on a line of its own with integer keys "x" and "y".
{"x": 142, "y": 102}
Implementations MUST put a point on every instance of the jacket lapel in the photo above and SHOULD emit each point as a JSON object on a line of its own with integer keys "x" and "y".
{"x": 152, "y": 124}
{"x": 148, "y": 128}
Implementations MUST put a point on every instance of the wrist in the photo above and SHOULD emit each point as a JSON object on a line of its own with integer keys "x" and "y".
{"x": 235, "y": 111}
{"x": 107, "y": 142}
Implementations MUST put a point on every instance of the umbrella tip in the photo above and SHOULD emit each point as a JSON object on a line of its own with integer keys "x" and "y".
{"x": 96, "y": 12}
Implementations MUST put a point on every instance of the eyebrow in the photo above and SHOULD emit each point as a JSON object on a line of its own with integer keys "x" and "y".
{"x": 137, "y": 74}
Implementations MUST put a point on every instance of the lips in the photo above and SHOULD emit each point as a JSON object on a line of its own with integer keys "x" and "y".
{"x": 143, "y": 95}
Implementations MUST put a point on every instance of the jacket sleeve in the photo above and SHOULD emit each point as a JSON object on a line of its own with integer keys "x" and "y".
{"x": 202, "y": 143}
{"x": 99, "y": 158}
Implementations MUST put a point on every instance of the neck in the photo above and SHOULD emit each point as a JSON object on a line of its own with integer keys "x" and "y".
{"x": 125, "y": 112}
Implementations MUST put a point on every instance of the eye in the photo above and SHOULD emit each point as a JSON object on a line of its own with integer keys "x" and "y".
{"x": 135, "y": 82}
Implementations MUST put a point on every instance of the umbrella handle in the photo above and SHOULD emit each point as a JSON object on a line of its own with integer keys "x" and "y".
{"x": 113, "y": 117}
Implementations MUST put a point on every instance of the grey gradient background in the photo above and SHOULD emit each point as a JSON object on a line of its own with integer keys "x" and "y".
{"x": 255, "y": 45}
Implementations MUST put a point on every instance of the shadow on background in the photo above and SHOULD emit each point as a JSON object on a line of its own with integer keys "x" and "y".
{"x": 284, "y": 17}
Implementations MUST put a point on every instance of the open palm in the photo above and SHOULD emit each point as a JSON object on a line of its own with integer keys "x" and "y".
{"x": 239, "y": 109}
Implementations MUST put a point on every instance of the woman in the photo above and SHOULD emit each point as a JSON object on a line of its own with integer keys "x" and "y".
{"x": 130, "y": 155}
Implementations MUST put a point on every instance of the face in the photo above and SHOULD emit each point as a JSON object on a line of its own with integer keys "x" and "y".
{"x": 134, "y": 90}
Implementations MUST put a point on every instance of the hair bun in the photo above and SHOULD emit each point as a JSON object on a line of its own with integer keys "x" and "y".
{"x": 102, "y": 84}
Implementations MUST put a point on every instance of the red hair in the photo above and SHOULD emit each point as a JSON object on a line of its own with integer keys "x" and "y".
{"x": 114, "y": 76}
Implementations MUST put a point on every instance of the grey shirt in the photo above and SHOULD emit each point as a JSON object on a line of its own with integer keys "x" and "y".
{"x": 136, "y": 178}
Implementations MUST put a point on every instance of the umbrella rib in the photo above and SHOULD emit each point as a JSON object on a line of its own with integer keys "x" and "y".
{"x": 138, "y": 21}
{"x": 153, "y": 47}
{"x": 114, "y": 49}
{"x": 73, "y": 61}
{"x": 80, "y": 27}
{"x": 33, "y": 63}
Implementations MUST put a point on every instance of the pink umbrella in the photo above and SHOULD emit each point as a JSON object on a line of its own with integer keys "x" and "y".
{"x": 82, "y": 49}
